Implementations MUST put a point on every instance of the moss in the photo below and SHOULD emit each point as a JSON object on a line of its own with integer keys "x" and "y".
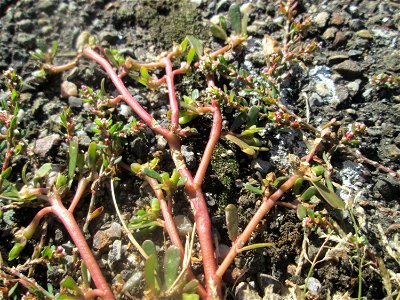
{"x": 169, "y": 21}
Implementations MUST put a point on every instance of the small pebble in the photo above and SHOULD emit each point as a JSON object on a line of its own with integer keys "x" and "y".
{"x": 68, "y": 89}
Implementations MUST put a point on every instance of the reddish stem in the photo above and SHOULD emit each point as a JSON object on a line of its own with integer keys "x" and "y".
{"x": 212, "y": 140}
{"x": 196, "y": 197}
{"x": 128, "y": 98}
{"x": 168, "y": 220}
{"x": 170, "y": 227}
{"x": 171, "y": 94}
{"x": 267, "y": 204}
{"x": 79, "y": 240}
{"x": 30, "y": 230}
{"x": 203, "y": 227}
{"x": 82, "y": 184}
{"x": 203, "y": 222}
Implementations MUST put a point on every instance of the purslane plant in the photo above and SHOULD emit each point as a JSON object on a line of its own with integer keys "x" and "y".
{"x": 250, "y": 119}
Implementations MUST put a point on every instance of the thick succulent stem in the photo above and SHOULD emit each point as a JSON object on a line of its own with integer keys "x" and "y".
{"x": 128, "y": 98}
{"x": 267, "y": 204}
{"x": 79, "y": 240}
{"x": 170, "y": 226}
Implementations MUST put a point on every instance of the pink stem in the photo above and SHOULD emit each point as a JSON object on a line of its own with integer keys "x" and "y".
{"x": 116, "y": 100}
{"x": 92, "y": 294}
{"x": 171, "y": 94}
{"x": 203, "y": 227}
{"x": 168, "y": 220}
{"x": 203, "y": 222}
{"x": 30, "y": 230}
{"x": 170, "y": 226}
{"x": 79, "y": 240}
{"x": 212, "y": 140}
{"x": 128, "y": 98}
{"x": 78, "y": 194}
{"x": 265, "y": 207}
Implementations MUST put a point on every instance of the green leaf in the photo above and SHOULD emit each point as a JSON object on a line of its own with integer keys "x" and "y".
{"x": 136, "y": 168}
{"x": 252, "y": 116}
{"x": 301, "y": 211}
{"x": 184, "y": 44}
{"x": 141, "y": 80}
{"x": 12, "y": 290}
{"x": 253, "y": 189}
{"x": 222, "y": 22}
{"x": 54, "y": 46}
{"x": 190, "y": 296}
{"x": 318, "y": 170}
{"x": 175, "y": 176}
{"x": 234, "y": 17}
{"x": 47, "y": 252}
{"x": 16, "y": 250}
{"x": 153, "y": 174}
{"x": 164, "y": 176}
{"x": 218, "y": 32}
{"x": 144, "y": 73}
{"x": 114, "y": 128}
{"x": 73, "y": 156}
{"x": 92, "y": 155}
{"x": 251, "y": 130}
{"x": 6, "y": 173}
{"x": 95, "y": 130}
{"x": 232, "y": 221}
{"x": 182, "y": 181}
{"x": 14, "y": 95}
{"x": 98, "y": 122}
{"x": 190, "y": 55}
{"x": 61, "y": 180}
{"x": 196, "y": 44}
{"x": 155, "y": 204}
{"x": 43, "y": 171}
{"x": 297, "y": 186}
{"x": 23, "y": 174}
{"x": 150, "y": 266}
{"x": 39, "y": 74}
{"x": 243, "y": 145}
{"x": 311, "y": 191}
{"x": 172, "y": 261}
{"x": 239, "y": 121}
{"x": 279, "y": 181}
{"x": 334, "y": 200}
{"x": 245, "y": 20}
{"x": 195, "y": 94}
{"x": 69, "y": 283}
{"x": 85, "y": 274}
{"x": 112, "y": 57}
{"x": 50, "y": 288}
{"x": 149, "y": 247}
{"x": 186, "y": 116}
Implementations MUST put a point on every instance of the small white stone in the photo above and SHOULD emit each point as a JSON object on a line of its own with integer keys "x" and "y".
{"x": 68, "y": 89}
{"x": 126, "y": 111}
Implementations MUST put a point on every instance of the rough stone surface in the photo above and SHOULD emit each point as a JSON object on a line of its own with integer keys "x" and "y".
{"x": 321, "y": 19}
{"x": 245, "y": 292}
{"x": 329, "y": 33}
{"x": 115, "y": 230}
{"x": 44, "y": 145}
{"x": 349, "y": 69}
{"x": 115, "y": 253}
{"x": 101, "y": 240}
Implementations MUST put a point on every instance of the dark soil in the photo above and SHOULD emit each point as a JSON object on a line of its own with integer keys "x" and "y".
{"x": 358, "y": 39}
